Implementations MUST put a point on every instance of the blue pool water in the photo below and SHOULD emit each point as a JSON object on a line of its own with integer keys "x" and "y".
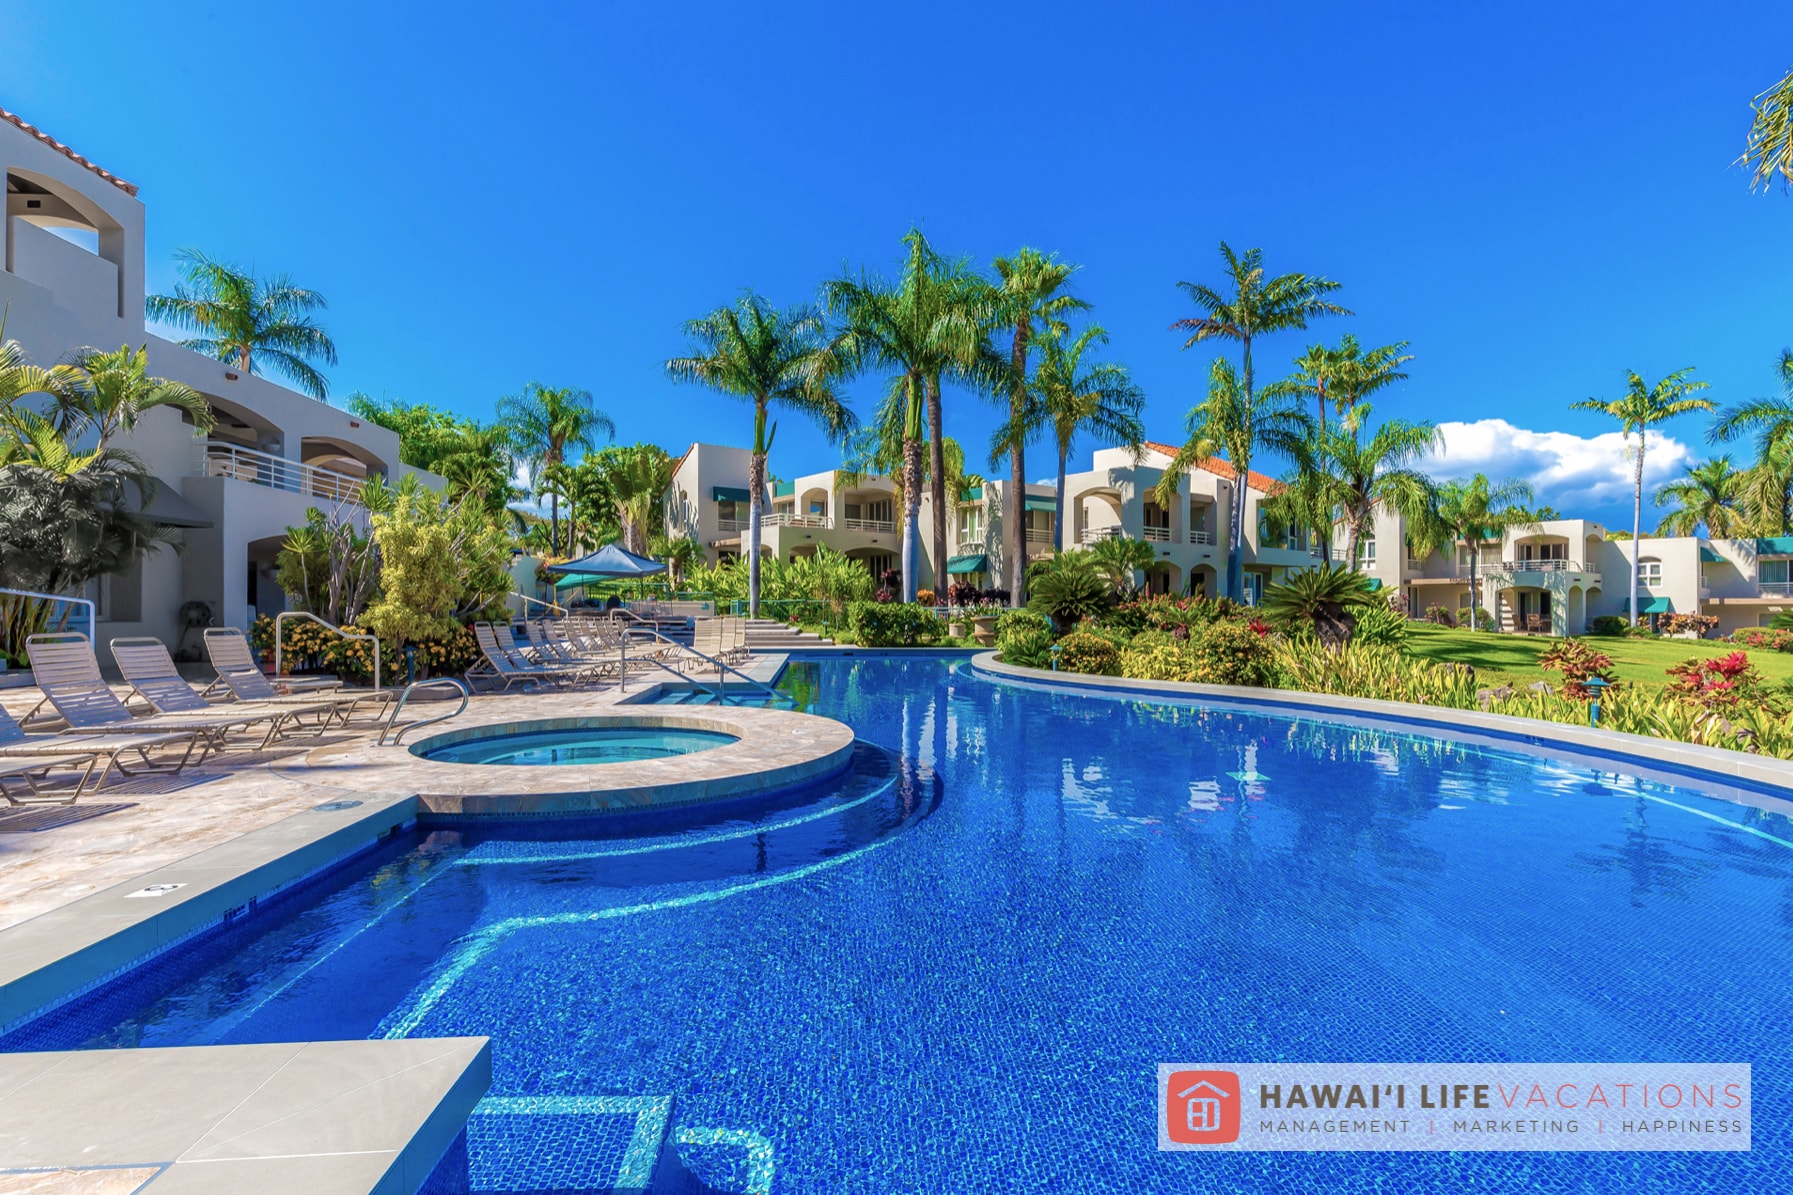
{"x": 577, "y": 745}
{"x": 956, "y": 968}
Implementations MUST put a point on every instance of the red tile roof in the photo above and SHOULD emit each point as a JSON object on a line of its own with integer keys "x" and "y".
{"x": 65, "y": 151}
{"x": 1221, "y": 467}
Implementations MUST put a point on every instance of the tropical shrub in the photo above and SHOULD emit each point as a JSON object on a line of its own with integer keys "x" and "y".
{"x": 1067, "y": 589}
{"x": 1579, "y": 664}
{"x": 1230, "y": 652}
{"x": 1081, "y": 651}
{"x": 963, "y": 595}
{"x": 1380, "y": 625}
{"x": 1026, "y": 647}
{"x": 1716, "y": 682}
{"x": 1700, "y": 625}
{"x": 1439, "y": 615}
{"x": 1376, "y": 671}
{"x": 925, "y": 597}
{"x": 894, "y": 624}
{"x": 1158, "y": 659}
{"x": 1119, "y": 557}
{"x": 1763, "y": 638}
{"x": 1326, "y": 600}
{"x": 1607, "y": 624}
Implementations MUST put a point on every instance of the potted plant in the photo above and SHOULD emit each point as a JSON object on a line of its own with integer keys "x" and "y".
{"x": 961, "y": 597}
{"x": 983, "y": 621}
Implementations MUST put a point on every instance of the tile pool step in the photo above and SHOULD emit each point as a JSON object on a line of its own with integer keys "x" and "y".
{"x": 590, "y": 1144}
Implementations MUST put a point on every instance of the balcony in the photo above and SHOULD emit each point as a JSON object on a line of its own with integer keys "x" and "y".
{"x": 1776, "y": 589}
{"x": 1091, "y": 535}
{"x": 1156, "y": 535}
{"x": 1201, "y": 537}
{"x": 789, "y": 520}
{"x": 1540, "y": 566}
{"x": 1039, "y": 535}
{"x": 278, "y": 473}
{"x": 876, "y": 526}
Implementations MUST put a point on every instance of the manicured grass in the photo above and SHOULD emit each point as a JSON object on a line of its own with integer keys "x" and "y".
{"x": 1513, "y": 659}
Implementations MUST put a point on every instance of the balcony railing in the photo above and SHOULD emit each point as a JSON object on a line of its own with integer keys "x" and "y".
{"x": 1090, "y": 535}
{"x": 880, "y": 526}
{"x": 1541, "y": 566}
{"x": 1201, "y": 537}
{"x": 784, "y": 520}
{"x": 278, "y": 473}
{"x": 1157, "y": 535}
{"x": 1777, "y": 588}
{"x": 1039, "y": 535}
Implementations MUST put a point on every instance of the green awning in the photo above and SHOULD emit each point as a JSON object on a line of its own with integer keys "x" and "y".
{"x": 1655, "y": 605}
{"x": 1375, "y": 583}
{"x": 1775, "y": 545}
{"x": 973, "y": 493}
{"x": 1708, "y": 556}
{"x": 1037, "y": 503}
{"x": 960, "y": 565}
{"x": 726, "y": 493}
{"x": 783, "y": 489}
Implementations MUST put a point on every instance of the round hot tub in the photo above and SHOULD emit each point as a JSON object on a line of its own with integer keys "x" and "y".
{"x": 570, "y": 746}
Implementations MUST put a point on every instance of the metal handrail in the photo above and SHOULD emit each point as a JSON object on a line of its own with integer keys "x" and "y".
{"x": 92, "y": 619}
{"x": 768, "y": 690}
{"x": 374, "y": 639}
{"x": 557, "y": 608}
{"x": 398, "y": 705}
{"x": 278, "y": 473}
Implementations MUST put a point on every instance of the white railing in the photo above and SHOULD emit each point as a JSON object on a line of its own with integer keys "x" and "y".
{"x": 1777, "y": 588}
{"x": 1037, "y": 536}
{"x": 1091, "y": 535}
{"x": 278, "y": 473}
{"x": 881, "y": 526}
{"x": 1540, "y": 566}
{"x": 796, "y": 520}
{"x": 1201, "y": 537}
{"x": 1157, "y": 535}
{"x": 731, "y": 524}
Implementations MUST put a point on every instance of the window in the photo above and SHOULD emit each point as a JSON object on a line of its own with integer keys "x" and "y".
{"x": 1366, "y": 550}
{"x": 1463, "y": 600}
{"x": 1649, "y": 572}
{"x": 971, "y": 523}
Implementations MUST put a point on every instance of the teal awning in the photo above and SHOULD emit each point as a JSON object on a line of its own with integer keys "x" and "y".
{"x": 960, "y": 565}
{"x": 728, "y": 493}
{"x": 1655, "y": 605}
{"x": 973, "y": 493}
{"x": 1375, "y": 583}
{"x": 1708, "y": 556}
{"x": 783, "y": 489}
{"x": 1775, "y": 545}
{"x": 1037, "y": 503}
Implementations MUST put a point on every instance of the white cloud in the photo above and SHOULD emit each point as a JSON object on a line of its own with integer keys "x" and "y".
{"x": 1570, "y": 472}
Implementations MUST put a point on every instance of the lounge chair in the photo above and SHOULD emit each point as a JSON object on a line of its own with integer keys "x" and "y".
{"x": 581, "y": 671}
{"x": 149, "y": 670}
{"x": 229, "y": 651}
{"x": 552, "y": 650}
{"x": 22, "y": 755}
{"x": 65, "y": 668}
{"x": 506, "y": 667}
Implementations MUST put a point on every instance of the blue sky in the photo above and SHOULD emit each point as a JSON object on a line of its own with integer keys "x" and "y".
{"x": 1536, "y": 198}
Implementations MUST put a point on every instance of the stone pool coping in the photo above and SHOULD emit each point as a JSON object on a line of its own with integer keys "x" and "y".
{"x": 1649, "y": 757}
{"x": 334, "y": 1116}
{"x": 774, "y": 749}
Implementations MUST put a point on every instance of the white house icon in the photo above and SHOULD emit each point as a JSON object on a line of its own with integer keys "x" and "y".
{"x": 1201, "y": 1107}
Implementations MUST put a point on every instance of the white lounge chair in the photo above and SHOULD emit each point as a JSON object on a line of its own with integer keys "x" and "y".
{"x": 229, "y": 650}
{"x": 27, "y": 756}
{"x": 506, "y": 667}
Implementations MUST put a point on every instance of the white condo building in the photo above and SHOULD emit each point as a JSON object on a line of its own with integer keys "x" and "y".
{"x": 73, "y": 277}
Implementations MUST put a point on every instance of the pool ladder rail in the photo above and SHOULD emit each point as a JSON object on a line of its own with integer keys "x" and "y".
{"x": 404, "y": 697}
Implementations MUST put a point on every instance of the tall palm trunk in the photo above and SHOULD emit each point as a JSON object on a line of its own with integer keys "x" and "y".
{"x": 911, "y": 516}
{"x": 1014, "y": 536}
{"x": 1058, "y": 507}
{"x": 937, "y": 486}
{"x": 1235, "y": 563}
{"x": 1637, "y": 524}
{"x": 1475, "y": 617}
{"x": 756, "y": 497}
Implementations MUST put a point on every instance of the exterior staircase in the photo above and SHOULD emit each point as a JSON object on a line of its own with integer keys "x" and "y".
{"x": 767, "y": 634}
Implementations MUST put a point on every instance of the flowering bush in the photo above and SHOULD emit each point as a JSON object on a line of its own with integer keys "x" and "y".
{"x": 1081, "y": 651}
{"x": 1680, "y": 624}
{"x": 894, "y": 624}
{"x": 963, "y": 594}
{"x": 1716, "y": 682}
{"x": 1234, "y": 653}
{"x": 1764, "y": 638}
{"x": 1579, "y": 664}
{"x": 925, "y": 597}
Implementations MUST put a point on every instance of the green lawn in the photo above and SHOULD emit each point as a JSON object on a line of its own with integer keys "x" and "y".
{"x": 1513, "y": 659}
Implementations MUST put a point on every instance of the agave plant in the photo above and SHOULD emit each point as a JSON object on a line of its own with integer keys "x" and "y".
{"x": 1068, "y": 588}
{"x": 1325, "y": 599}
{"x": 1119, "y": 558}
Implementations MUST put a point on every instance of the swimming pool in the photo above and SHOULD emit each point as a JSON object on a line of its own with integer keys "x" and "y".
{"x": 571, "y": 745}
{"x": 957, "y": 971}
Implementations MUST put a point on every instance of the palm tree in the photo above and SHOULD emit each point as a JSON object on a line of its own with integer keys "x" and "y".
{"x": 1770, "y": 147}
{"x": 113, "y": 391}
{"x": 1353, "y": 477}
{"x": 768, "y": 357}
{"x": 1231, "y": 421}
{"x": 543, "y": 423}
{"x": 1256, "y": 306}
{"x": 1030, "y": 298}
{"x": 637, "y": 477}
{"x": 1120, "y": 557}
{"x": 1471, "y": 513}
{"x": 248, "y": 320}
{"x": 476, "y": 462}
{"x": 1344, "y": 376}
{"x": 1767, "y": 485}
{"x": 1709, "y": 496}
{"x": 1072, "y": 397}
{"x": 1642, "y": 407}
{"x": 1325, "y": 599}
{"x": 925, "y": 325}
{"x": 18, "y": 377}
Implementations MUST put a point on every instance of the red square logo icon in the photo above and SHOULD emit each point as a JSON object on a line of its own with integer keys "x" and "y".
{"x": 1202, "y": 1107}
